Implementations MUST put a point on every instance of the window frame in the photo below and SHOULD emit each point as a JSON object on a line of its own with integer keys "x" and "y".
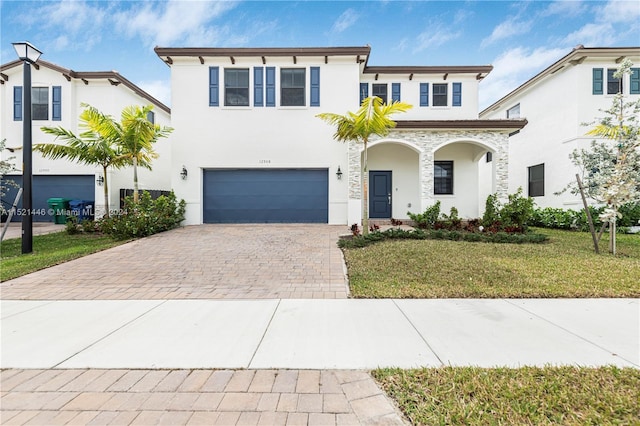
{"x": 444, "y": 182}
{"x": 237, "y": 87}
{"x": 537, "y": 190}
{"x": 437, "y": 98}
{"x": 385, "y": 95}
{"x": 285, "y": 100}
{"x": 515, "y": 107}
{"x": 36, "y": 92}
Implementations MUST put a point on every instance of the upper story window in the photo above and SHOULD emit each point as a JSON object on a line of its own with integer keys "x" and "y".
{"x": 440, "y": 94}
{"x": 514, "y": 111}
{"x": 151, "y": 117}
{"x": 614, "y": 85}
{"x": 40, "y": 103}
{"x": 292, "y": 86}
{"x": 443, "y": 178}
{"x": 379, "y": 90}
{"x": 236, "y": 87}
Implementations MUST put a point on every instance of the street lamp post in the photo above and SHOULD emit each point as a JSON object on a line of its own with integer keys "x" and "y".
{"x": 28, "y": 54}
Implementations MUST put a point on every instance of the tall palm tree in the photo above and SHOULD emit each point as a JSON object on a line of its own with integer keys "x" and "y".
{"x": 373, "y": 118}
{"x": 93, "y": 146}
{"x": 134, "y": 136}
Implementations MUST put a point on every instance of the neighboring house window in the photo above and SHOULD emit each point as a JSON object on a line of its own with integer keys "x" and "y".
{"x": 236, "y": 87}
{"x": 424, "y": 94}
{"x": 614, "y": 85}
{"x": 40, "y": 103}
{"x": 364, "y": 91}
{"x": 456, "y": 94}
{"x": 395, "y": 92}
{"x": 514, "y": 111}
{"x": 292, "y": 82}
{"x": 634, "y": 88}
{"x": 598, "y": 81}
{"x": 489, "y": 156}
{"x": 440, "y": 95}
{"x": 443, "y": 177}
{"x": 151, "y": 117}
{"x": 536, "y": 181}
{"x": 17, "y": 103}
{"x": 380, "y": 90}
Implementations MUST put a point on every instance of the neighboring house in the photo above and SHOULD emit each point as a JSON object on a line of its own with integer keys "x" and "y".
{"x": 556, "y": 102}
{"x": 247, "y": 135}
{"x": 57, "y": 94}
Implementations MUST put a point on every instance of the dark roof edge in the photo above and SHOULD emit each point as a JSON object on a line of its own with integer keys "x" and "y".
{"x": 87, "y": 75}
{"x": 454, "y": 69}
{"x": 461, "y": 124}
{"x": 262, "y": 51}
{"x": 575, "y": 52}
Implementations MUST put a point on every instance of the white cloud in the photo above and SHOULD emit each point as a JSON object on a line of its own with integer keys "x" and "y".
{"x": 513, "y": 67}
{"x": 344, "y": 21}
{"x": 82, "y": 23}
{"x": 565, "y": 8}
{"x": 621, "y": 11}
{"x": 435, "y": 36}
{"x": 159, "y": 89}
{"x": 511, "y": 27}
{"x": 590, "y": 35}
{"x": 186, "y": 22}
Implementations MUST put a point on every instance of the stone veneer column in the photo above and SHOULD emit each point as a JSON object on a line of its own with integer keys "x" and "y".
{"x": 354, "y": 206}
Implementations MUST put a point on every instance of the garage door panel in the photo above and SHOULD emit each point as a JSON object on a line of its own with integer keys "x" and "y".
{"x": 74, "y": 187}
{"x": 266, "y": 196}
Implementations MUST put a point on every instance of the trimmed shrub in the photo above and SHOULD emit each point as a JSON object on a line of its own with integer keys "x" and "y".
{"x": 428, "y": 219}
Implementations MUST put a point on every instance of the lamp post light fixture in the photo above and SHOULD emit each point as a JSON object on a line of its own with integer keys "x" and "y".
{"x": 28, "y": 54}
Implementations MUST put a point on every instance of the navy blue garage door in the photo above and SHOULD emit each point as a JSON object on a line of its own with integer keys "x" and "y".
{"x": 74, "y": 187}
{"x": 266, "y": 196}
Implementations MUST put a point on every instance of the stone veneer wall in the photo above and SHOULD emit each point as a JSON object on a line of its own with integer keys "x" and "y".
{"x": 428, "y": 141}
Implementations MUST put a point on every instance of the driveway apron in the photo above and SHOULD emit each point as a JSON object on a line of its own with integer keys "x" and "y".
{"x": 200, "y": 262}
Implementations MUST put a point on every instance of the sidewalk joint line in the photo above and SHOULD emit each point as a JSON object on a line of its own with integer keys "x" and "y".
{"x": 419, "y": 334}
{"x": 46, "y": 302}
{"x": 264, "y": 334}
{"x": 610, "y": 352}
{"x": 110, "y": 333}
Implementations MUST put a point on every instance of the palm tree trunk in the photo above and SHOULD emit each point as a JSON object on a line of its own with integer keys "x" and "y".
{"x": 135, "y": 179}
{"x": 365, "y": 189}
{"x": 106, "y": 192}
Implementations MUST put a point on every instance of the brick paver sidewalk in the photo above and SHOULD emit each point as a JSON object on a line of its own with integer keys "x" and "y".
{"x": 194, "y": 397}
{"x": 200, "y": 262}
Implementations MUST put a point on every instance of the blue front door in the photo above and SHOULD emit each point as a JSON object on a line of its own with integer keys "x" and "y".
{"x": 380, "y": 194}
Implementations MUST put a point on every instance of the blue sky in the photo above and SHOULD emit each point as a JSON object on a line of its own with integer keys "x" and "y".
{"x": 518, "y": 38}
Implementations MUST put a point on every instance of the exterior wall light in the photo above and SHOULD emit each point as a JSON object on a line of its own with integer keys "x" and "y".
{"x": 100, "y": 180}
{"x": 184, "y": 173}
{"x": 339, "y": 173}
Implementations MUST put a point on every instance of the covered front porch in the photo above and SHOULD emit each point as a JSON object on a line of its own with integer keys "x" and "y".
{"x": 413, "y": 167}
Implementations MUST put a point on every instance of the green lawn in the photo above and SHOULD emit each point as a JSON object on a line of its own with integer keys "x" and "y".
{"x": 48, "y": 250}
{"x": 524, "y": 396}
{"x": 566, "y": 266}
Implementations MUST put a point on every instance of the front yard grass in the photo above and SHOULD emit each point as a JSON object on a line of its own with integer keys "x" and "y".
{"x": 565, "y": 267}
{"x": 524, "y": 396}
{"x": 49, "y": 250}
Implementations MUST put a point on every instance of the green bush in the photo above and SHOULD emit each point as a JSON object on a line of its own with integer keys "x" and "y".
{"x": 555, "y": 218}
{"x": 516, "y": 211}
{"x": 145, "y": 218}
{"x": 491, "y": 211}
{"x": 428, "y": 219}
{"x": 72, "y": 225}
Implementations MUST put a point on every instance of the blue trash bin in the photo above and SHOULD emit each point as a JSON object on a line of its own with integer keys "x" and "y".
{"x": 81, "y": 209}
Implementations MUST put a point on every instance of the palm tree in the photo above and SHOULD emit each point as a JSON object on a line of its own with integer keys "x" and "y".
{"x": 134, "y": 136}
{"x": 93, "y": 146}
{"x": 373, "y": 118}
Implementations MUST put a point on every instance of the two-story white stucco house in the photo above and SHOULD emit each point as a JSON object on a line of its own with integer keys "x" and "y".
{"x": 57, "y": 95}
{"x": 556, "y": 102}
{"x": 247, "y": 135}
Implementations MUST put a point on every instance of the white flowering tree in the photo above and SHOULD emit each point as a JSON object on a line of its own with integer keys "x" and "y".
{"x": 6, "y": 166}
{"x": 611, "y": 168}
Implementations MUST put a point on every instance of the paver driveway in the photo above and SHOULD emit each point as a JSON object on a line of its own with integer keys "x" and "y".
{"x": 200, "y": 262}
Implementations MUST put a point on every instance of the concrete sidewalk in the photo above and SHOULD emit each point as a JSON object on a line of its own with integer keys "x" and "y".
{"x": 319, "y": 334}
